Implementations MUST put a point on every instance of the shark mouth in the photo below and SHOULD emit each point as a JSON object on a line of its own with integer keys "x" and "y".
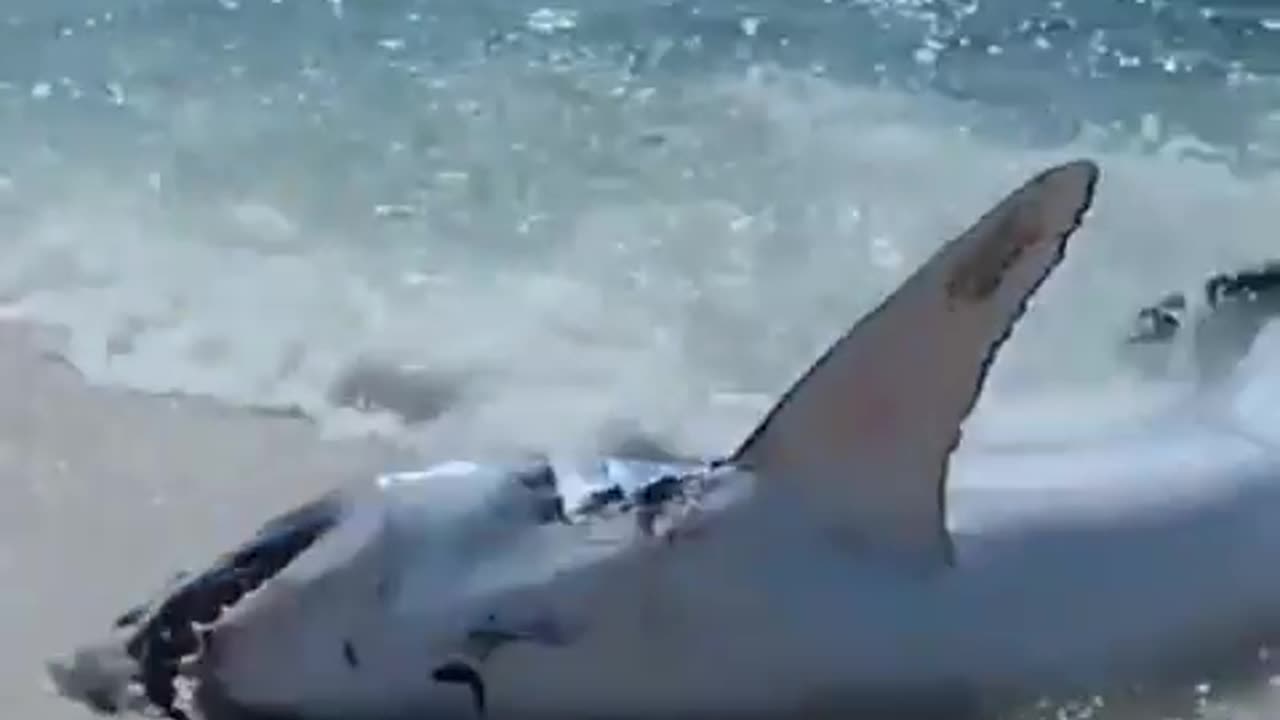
{"x": 178, "y": 627}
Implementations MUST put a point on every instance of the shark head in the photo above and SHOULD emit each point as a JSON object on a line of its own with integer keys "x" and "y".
{"x": 375, "y": 598}
{"x": 283, "y": 612}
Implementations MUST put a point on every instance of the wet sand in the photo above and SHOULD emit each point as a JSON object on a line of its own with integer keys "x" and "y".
{"x": 105, "y": 493}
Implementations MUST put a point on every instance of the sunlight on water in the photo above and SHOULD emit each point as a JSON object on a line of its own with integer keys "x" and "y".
{"x": 643, "y": 215}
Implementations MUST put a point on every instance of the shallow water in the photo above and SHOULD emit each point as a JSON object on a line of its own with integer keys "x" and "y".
{"x": 249, "y": 199}
{"x": 570, "y": 225}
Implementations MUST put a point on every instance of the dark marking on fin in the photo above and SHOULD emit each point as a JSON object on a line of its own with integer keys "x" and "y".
{"x": 349, "y": 654}
{"x": 978, "y": 276}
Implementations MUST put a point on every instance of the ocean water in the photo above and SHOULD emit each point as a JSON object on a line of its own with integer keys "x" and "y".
{"x": 643, "y": 214}
{"x": 464, "y": 225}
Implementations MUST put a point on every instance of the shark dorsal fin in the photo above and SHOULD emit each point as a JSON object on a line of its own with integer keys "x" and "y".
{"x": 865, "y": 436}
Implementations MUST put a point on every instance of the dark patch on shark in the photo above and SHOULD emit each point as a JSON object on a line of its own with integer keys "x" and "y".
{"x": 598, "y": 500}
{"x": 539, "y": 478}
{"x": 349, "y": 654}
{"x": 651, "y": 496}
{"x": 977, "y": 277}
{"x": 652, "y": 499}
{"x": 169, "y": 633}
{"x": 484, "y": 640}
{"x": 667, "y": 487}
{"x": 457, "y": 672}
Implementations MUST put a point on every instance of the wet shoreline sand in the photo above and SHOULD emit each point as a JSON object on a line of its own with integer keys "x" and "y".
{"x": 106, "y": 493}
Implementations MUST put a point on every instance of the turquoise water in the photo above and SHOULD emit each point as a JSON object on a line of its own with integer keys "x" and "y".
{"x": 648, "y": 213}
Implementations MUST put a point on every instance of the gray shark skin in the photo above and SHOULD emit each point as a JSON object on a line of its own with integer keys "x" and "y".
{"x": 845, "y": 556}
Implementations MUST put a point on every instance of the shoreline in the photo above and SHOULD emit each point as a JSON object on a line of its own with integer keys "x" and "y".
{"x": 106, "y": 492}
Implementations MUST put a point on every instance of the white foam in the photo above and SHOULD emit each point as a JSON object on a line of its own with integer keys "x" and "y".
{"x": 717, "y": 261}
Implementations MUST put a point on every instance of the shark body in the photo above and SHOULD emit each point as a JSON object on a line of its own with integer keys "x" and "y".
{"x": 822, "y": 562}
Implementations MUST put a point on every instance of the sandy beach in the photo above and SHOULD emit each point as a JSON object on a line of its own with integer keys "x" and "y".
{"x": 105, "y": 493}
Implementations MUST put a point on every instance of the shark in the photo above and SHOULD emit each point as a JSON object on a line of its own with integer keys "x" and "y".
{"x": 849, "y": 552}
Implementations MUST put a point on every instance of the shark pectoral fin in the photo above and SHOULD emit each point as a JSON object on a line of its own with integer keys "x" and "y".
{"x": 865, "y": 436}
